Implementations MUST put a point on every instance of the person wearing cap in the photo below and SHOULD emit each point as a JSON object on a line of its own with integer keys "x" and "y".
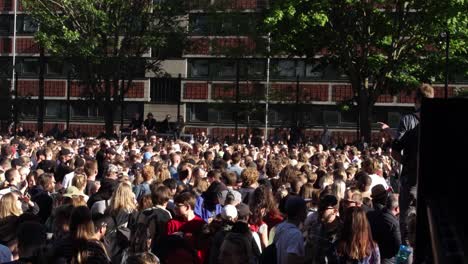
{"x": 228, "y": 218}
{"x": 243, "y": 212}
{"x": 239, "y": 245}
{"x": 323, "y": 232}
{"x": 150, "y": 122}
{"x": 47, "y": 165}
{"x": 65, "y": 156}
{"x": 73, "y": 196}
{"x": 112, "y": 172}
{"x": 102, "y": 196}
{"x": 230, "y": 197}
{"x": 288, "y": 237}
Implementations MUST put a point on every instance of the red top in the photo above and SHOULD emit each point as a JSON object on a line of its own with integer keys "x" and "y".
{"x": 190, "y": 229}
{"x": 272, "y": 219}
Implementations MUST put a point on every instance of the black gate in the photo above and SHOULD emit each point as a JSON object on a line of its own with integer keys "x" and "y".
{"x": 165, "y": 90}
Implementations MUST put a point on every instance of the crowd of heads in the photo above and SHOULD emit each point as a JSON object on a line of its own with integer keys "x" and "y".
{"x": 162, "y": 200}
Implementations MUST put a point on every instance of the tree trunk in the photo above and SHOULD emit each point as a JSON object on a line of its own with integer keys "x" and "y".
{"x": 40, "y": 116}
{"x": 365, "y": 110}
{"x": 108, "y": 109}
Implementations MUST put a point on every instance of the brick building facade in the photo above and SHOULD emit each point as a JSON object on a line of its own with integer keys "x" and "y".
{"x": 301, "y": 91}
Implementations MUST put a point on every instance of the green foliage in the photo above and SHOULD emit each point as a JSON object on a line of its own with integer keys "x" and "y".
{"x": 109, "y": 36}
{"x": 386, "y": 42}
{"x": 107, "y": 42}
{"x": 384, "y": 46}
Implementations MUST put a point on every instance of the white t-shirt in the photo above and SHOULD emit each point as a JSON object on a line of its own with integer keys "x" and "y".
{"x": 376, "y": 180}
{"x": 67, "y": 180}
{"x": 256, "y": 238}
{"x": 288, "y": 240}
{"x": 99, "y": 206}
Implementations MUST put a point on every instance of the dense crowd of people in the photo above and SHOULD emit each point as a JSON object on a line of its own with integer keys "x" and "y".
{"x": 157, "y": 200}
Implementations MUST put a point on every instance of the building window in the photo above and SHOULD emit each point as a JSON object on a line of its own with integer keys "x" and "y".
{"x": 173, "y": 49}
{"x": 54, "y": 68}
{"x": 223, "y": 24}
{"x": 312, "y": 117}
{"x": 331, "y": 117}
{"x": 79, "y": 109}
{"x": 197, "y": 112}
{"x": 29, "y": 109}
{"x": 253, "y": 69}
{"x": 56, "y": 109}
{"x": 165, "y": 90}
{"x": 29, "y": 25}
{"x": 349, "y": 117}
{"x": 314, "y": 70}
{"x": 130, "y": 110}
{"x": 284, "y": 69}
{"x": 226, "y": 114}
{"x": 5, "y": 24}
{"x": 5, "y": 67}
{"x": 30, "y": 66}
{"x": 393, "y": 119}
{"x": 225, "y": 69}
{"x": 199, "y": 68}
{"x": 199, "y": 24}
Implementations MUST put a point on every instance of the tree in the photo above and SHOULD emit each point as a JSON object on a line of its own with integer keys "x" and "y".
{"x": 233, "y": 37}
{"x": 107, "y": 42}
{"x": 383, "y": 46}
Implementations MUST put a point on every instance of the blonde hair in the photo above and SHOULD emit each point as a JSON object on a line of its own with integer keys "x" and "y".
{"x": 122, "y": 199}
{"x": 338, "y": 189}
{"x": 326, "y": 180}
{"x": 424, "y": 91}
{"x": 78, "y": 200}
{"x": 162, "y": 173}
{"x": 79, "y": 181}
{"x": 8, "y": 206}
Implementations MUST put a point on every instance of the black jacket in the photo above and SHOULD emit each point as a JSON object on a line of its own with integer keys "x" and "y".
{"x": 385, "y": 231}
{"x": 45, "y": 203}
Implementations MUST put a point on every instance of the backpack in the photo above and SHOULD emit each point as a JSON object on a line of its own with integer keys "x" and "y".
{"x": 118, "y": 240}
{"x": 147, "y": 218}
{"x": 269, "y": 255}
